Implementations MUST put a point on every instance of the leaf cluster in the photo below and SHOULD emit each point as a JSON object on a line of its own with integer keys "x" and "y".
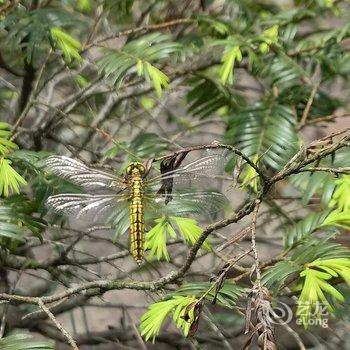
{"x": 10, "y": 180}
{"x": 137, "y": 56}
{"x": 178, "y": 302}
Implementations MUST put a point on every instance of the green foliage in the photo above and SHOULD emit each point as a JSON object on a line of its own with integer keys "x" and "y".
{"x": 10, "y": 180}
{"x": 265, "y": 132}
{"x": 159, "y": 80}
{"x": 311, "y": 250}
{"x": 84, "y": 5}
{"x": 269, "y": 36}
{"x": 137, "y": 55}
{"x": 276, "y": 276}
{"x": 284, "y": 74}
{"x": 183, "y": 301}
{"x": 226, "y": 296}
{"x": 293, "y": 93}
{"x": 20, "y": 341}
{"x": 234, "y": 45}
{"x": 18, "y": 213}
{"x": 152, "y": 320}
{"x": 338, "y": 218}
{"x": 322, "y": 183}
{"x": 209, "y": 96}
{"x": 31, "y": 31}
{"x": 304, "y": 228}
{"x": 189, "y": 230}
{"x": 250, "y": 177}
{"x": 215, "y": 25}
{"x": 316, "y": 283}
{"x": 341, "y": 195}
{"x": 5, "y": 143}
{"x": 66, "y": 43}
{"x": 229, "y": 58}
{"x": 156, "y": 238}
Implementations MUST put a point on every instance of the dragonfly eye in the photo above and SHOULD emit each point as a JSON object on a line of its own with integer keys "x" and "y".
{"x": 135, "y": 168}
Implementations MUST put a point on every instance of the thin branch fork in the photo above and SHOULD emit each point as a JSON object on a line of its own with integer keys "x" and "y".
{"x": 58, "y": 325}
{"x": 343, "y": 171}
{"x": 147, "y": 28}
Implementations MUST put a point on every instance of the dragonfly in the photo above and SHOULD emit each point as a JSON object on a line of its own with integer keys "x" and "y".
{"x": 170, "y": 190}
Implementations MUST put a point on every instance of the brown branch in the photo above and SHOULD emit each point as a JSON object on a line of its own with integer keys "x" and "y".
{"x": 326, "y": 118}
{"x": 334, "y": 171}
{"x": 142, "y": 29}
{"x": 308, "y": 106}
{"x": 58, "y": 325}
{"x": 253, "y": 243}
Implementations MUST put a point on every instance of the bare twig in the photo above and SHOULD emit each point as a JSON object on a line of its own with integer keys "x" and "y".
{"x": 58, "y": 325}
{"x": 141, "y": 29}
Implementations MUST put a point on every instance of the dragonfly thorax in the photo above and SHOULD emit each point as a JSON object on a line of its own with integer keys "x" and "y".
{"x": 135, "y": 168}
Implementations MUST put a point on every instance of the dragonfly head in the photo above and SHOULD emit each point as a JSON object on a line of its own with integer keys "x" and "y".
{"x": 135, "y": 168}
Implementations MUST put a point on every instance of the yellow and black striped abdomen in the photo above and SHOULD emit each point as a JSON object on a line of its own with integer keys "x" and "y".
{"x": 137, "y": 225}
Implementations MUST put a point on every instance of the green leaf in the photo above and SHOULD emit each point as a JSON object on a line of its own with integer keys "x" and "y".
{"x": 341, "y": 195}
{"x": 304, "y": 228}
{"x": 176, "y": 303}
{"x": 231, "y": 55}
{"x": 5, "y": 144}
{"x": 81, "y": 80}
{"x": 268, "y": 36}
{"x": 18, "y": 213}
{"x": 29, "y": 31}
{"x": 335, "y": 267}
{"x": 338, "y": 218}
{"x": 189, "y": 230}
{"x": 208, "y": 96}
{"x": 304, "y": 254}
{"x": 84, "y": 5}
{"x": 147, "y": 103}
{"x": 156, "y": 240}
{"x": 315, "y": 285}
{"x": 283, "y": 72}
{"x": 157, "y": 77}
{"x": 10, "y": 180}
{"x": 250, "y": 177}
{"x": 214, "y": 24}
{"x": 321, "y": 183}
{"x": 264, "y": 131}
{"x": 152, "y": 320}
{"x": 137, "y": 55}
{"x": 21, "y": 341}
{"x": 226, "y": 296}
{"x": 66, "y": 43}
{"x": 143, "y": 145}
{"x": 275, "y": 277}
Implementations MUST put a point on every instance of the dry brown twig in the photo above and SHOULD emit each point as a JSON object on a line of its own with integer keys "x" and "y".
{"x": 52, "y": 317}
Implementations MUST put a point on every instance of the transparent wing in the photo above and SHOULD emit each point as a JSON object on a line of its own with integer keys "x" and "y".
{"x": 80, "y": 174}
{"x": 205, "y": 203}
{"x": 94, "y": 206}
{"x": 211, "y": 166}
